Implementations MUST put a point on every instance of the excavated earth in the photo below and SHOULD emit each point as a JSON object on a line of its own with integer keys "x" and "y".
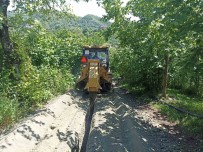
{"x": 55, "y": 128}
{"x": 119, "y": 123}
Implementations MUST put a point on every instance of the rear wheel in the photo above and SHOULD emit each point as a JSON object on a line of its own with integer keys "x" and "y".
{"x": 81, "y": 85}
{"x": 109, "y": 86}
{"x": 106, "y": 87}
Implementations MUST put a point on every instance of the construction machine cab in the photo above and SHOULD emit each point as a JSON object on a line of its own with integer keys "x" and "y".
{"x": 97, "y": 53}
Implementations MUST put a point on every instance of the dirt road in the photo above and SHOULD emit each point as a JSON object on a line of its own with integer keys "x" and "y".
{"x": 119, "y": 124}
{"x": 123, "y": 125}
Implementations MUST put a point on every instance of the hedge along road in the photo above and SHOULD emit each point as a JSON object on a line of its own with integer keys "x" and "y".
{"x": 119, "y": 123}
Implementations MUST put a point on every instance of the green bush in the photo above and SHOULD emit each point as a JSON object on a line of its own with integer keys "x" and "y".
{"x": 41, "y": 84}
{"x": 45, "y": 63}
{"x": 8, "y": 112}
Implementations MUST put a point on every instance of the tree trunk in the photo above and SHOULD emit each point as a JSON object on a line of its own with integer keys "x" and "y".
{"x": 4, "y": 33}
{"x": 166, "y": 59}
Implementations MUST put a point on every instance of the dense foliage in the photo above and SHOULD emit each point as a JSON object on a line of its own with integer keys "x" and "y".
{"x": 70, "y": 21}
{"x": 164, "y": 43}
{"x": 44, "y": 58}
{"x": 161, "y": 45}
{"x": 45, "y": 63}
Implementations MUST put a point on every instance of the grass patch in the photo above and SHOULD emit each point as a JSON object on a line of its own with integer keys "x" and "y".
{"x": 8, "y": 112}
{"x": 192, "y": 104}
{"x": 192, "y": 125}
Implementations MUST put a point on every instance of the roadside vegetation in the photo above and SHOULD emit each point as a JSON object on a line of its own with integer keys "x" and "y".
{"x": 161, "y": 54}
{"x": 188, "y": 111}
{"x": 157, "y": 50}
{"x": 40, "y": 55}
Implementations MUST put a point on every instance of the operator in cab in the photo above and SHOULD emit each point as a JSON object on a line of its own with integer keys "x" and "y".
{"x": 93, "y": 55}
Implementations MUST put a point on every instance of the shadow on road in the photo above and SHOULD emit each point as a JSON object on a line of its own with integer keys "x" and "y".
{"x": 79, "y": 98}
{"x": 116, "y": 128}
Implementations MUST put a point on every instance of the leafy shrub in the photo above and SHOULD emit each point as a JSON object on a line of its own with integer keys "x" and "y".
{"x": 43, "y": 83}
{"x": 47, "y": 60}
{"x": 137, "y": 70}
{"x": 8, "y": 112}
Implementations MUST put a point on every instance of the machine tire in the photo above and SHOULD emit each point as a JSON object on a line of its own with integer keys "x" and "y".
{"x": 104, "y": 88}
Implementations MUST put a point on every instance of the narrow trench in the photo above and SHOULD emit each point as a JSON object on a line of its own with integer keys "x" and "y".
{"x": 88, "y": 120}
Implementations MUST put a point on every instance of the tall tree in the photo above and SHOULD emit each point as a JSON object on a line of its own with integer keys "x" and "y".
{"x": 4, "y": 33}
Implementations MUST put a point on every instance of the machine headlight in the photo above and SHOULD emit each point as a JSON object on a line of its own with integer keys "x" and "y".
{"x": 84, "y": 65}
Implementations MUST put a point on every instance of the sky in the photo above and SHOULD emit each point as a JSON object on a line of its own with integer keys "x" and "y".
{"x": 83, "y": 8}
